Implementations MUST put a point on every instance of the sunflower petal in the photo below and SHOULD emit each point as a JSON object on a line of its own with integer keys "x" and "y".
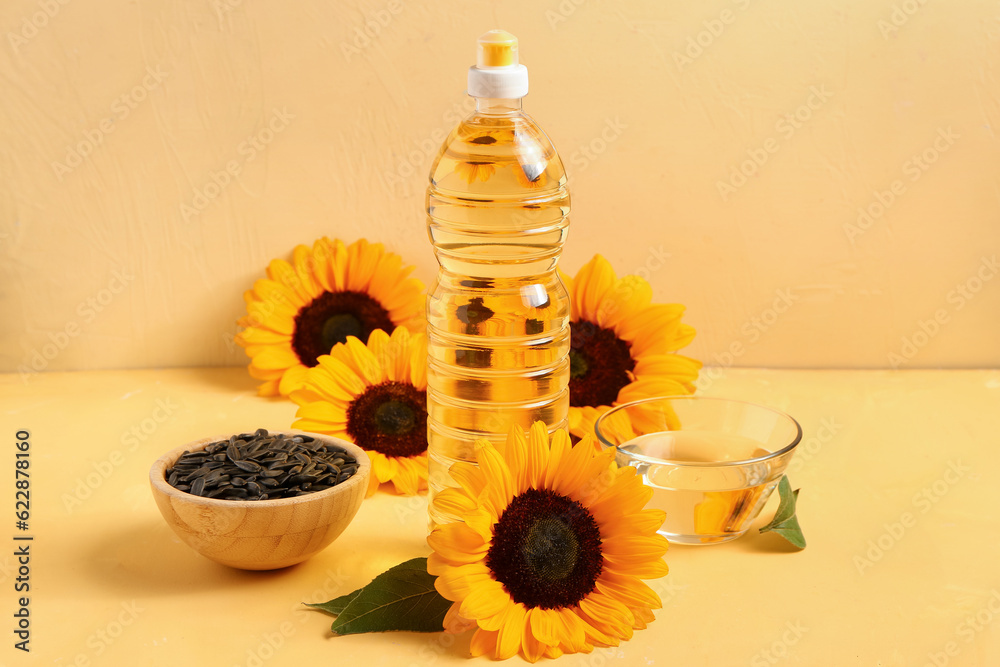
{"x": 453, "y": 502}
{"x": 258, "y": 336}
{"x": 270, "y": 316}
{"x": 269, "y": 388}
{"x": 275, "y": 358}
{"x": 306, "y": 284}
{"x": 509, "y": 639}
{"x": 655, "y": 329}
{"x": 592, "y": 282}
{"x": 648, "y": 570}
{"x": 558, "y": 451}
{"x": 265, "y": 373}
{"x": 629, "y": 590}
{"x": 363, "y": 258}
{"x": 649, "y": 387}
{"x": 456, "y": 583}
{"x": 485, "y": 601}
{"x": 417, "y": 360}
{"x": 461, "y": 543}
{"x": 484, "y": 642}
{"x": 625, "y": 495}
{"x": 469, "y": 477}
{"x": 383, "y": 467}
{"x": 531, "y": 648}
{"x": 361, "y": 360}
{"x": 480, "y": 520}
{"x": 646, "y": 522}
{"x": 322, "y": 259}
{"x": 454, "y": 622}
{"x": 501, "y": 489}
{"x": 514, "y": 452}
{"x": 629, "y": 295}
{"x": 543, "y": 625}
{"x": 571, "y": 630}
{"x": 378, "y": 345}
{"x": 537, "y": 459}
{"x": 410, "y": 475}
{"x": 322, "y": 412}
{"x": 341, "y": 374}
{"x": 675, "y": 366}
{"x": 610, "y": 617}
{"x": 293, "y": 379}
{"x": 645, "y": 547}
{"x": 580, "y": 470}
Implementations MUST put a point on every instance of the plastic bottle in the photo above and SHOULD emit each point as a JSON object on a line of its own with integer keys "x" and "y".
{"x": 498, "y": 314}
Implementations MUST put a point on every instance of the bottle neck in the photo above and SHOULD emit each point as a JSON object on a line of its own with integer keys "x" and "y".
{"x": 495, "y": 106}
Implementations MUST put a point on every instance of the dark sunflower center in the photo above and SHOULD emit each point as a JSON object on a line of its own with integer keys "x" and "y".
{"x": 578, "y": 365}
{"x": 390, "y": 418}
{"x": 331, "y": 318}
{"x": 551, "y": 549}
{"x": 546, "y": 550}
{"x": 337, "y": 328}
{"x": 395, "y": 418}
{"x": 600, "y": 364}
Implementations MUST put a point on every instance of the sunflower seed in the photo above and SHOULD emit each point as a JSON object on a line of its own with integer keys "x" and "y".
{"x": 248, "y": 466}
{"x": 259, "y": 466}
{"x": 200, "y": 472}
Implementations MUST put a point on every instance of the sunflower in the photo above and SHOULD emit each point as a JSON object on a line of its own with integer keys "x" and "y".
{"x": 327, "y": 293}
{"x": 375, "y": 396}
{"x": 622, "y": 348}
{"x": 552, "y": 544}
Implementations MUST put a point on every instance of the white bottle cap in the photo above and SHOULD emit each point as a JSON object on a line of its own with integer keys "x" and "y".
{"x": 497, "y": 72}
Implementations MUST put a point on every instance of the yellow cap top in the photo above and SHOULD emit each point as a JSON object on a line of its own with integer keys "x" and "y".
{"x": 497, "y": 48}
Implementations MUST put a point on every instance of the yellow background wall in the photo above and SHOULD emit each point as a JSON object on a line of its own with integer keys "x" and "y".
{"x": 723, "y": 147}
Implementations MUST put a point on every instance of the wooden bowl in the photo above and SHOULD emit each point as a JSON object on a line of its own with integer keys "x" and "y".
{"x": 260, "y": 534}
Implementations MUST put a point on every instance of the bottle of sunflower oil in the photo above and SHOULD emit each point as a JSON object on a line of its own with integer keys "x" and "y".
{"x": 498, "y": 314}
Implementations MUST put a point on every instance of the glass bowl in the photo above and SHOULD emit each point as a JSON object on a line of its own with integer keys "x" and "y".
{"x": 712, "y": 462}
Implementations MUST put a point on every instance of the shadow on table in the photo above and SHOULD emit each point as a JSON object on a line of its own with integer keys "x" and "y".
{"x": 425, "y": 646}
{"x": 149, "y": 557}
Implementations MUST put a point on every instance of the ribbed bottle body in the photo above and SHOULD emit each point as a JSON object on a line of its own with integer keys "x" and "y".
{"x": 497, "y": 314}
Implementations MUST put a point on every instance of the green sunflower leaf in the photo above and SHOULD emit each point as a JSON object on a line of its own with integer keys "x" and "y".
{"x": 401, "y": 598}
{"x": 785, "y": 523}
{"x": 336, "y": 605}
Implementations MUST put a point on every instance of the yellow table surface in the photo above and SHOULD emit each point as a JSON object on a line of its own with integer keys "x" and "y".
{"x": 899, "y": 473}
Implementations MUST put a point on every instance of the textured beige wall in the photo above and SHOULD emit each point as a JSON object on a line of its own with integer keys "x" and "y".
{"x": 115, "y": 117}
